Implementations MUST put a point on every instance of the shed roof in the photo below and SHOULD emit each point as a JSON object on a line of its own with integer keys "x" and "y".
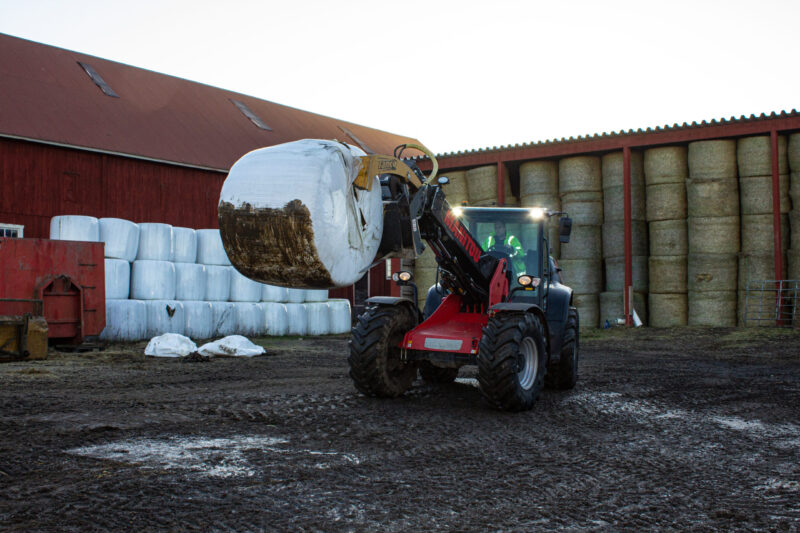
{"x": 49, "y": 95}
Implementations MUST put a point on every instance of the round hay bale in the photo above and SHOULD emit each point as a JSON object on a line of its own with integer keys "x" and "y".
{"x": 614, "y": 203}
{"x": 712, "y": 272}
{"x": 614, "y": 238}
{"x": 712, "y": 309}
{"x": 456, "y": 190}
{"x": 584, "y": 208}
{"x": 754, "y": 156}
{"x": 794, "y": 229}
{"x": 666, "y": 164}
{"x": 713, "y": 235}
{"x": 712, "y": 197}
{"x": 612, "y": 170}
{"x": 547, "y": 201}
{"x": 794, "y": 152}
{"x": 584, "y": 276}
{"x": 667, "y": 310}
{"x": 588, "y": 310}
{"x": 584, "y": 243}
{"x": 482, "y": 184}
{"x": 758, "y": 234}
{"x": 668, "y": 237}
{"x": 424, "y": 277}
{"x": 612, "y": 307}
{"x": 552, "y": 239}
{"x": 667, "y": 274}
{"x": 757, "y": 268}
{"x": 426, "y": 260}
{"x": 712, "y": 159}
{"x": 666, "y": 201}
{"x": 794, "y": 188}
{"x": 538, "y": 177}
{"x": 579, "y": 174}
{"x": 756, "y": 194}
{"x": 793, "y": 261}
{"x": 615, "y": 273}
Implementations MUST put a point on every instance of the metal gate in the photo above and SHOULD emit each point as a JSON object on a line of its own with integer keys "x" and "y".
{"x": 772, "y": 303}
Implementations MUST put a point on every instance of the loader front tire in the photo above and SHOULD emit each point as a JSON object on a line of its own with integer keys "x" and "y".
{"x": 564, "y": 374}
{"x": 511, "y": 361}
{"x": 375, "y": 364}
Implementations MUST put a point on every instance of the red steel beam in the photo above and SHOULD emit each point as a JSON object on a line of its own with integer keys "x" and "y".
{"x": 501, "y": 186}
{"x": 776, "y": 216}
{"x": 626, "y": 188}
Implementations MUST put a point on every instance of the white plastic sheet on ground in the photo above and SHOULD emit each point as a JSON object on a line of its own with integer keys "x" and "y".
{"x": 231, "y": 346}
{"x": 184, "y": 245}
{"x": 316, "y": 295}
{"x": 170, "y": 345}
{"x": 118, "y": 279}
{"x": 224, "y": 318}
{"x": 340, "y": 315}
{"x": 121, "y": 238}
{"x": 296, "y": 296}
{"x": 165, "y": 316}
{"x": 319, "y": 321}
{"x": 244, "y": 289}
{"x": 277, "y": 319}
{"x": 126, "y": 320}
{"x": 297, "y": 315}
{"x": 190, "y": 281}
{"x": 152, "y": 280}
{"x": 209, "y": 248}
{"x": 155, "y": 241}
{"x": 273, "y": 293}
{"x": 75, "y": 228}
{"x": 250, "y": 319}
{"x": 199, "y": 320}
{"x": 293, "y": 186}
{"x": 218, "y": 283}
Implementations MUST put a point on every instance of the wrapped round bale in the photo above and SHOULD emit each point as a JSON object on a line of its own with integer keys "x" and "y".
{"x": 121, "y": 238}
{"x": 614, "y": 203}
{"x": 614, "y": 238}
{"x": 758, "y": 233}
{"x": 754, "y": 156}
{"x": 244, "y": 289}
{"x": 666, "y": 201}
{"x": 155, "y": 242}
{"x": 126, "y": 320}
{"x": 316, "y": 295}
{"x": 165, "y": 316}
{"x": 223, "y": 318}
{"x": 612, "y": 170}
{"x": 199, "y": 319}
{"x": 277, "y": 318}
{"x": 319, "y": 322}
{"x": 296, "y": 296}
{"x": 712, "y": 159}
{"x": 250, "y": 319}
{"x": 667, "y": 274}
{"x": 74, "y": 228}
{"x": 584, "y": 208}
{"x": 152, "y": 280}
{"x": 340, "y": 315}
{"x": 716, "y": 309}
{"x": 184, "y": 245}
{"x": 712, "y": 272}
{"x": 615, "y": 273}
{"x": 273, "y": 293}
{"x": 756, "y": 194}
{"x": 118, "y": 279}
{"x": 579, "y": 174}
{"x": 588, "y": 310}
{"x": 714, "y": 235}
{"x": 190, "y": 281}
{"x": 666, "y": 164}
{"x": 297, "y": 315}
{"x": 289, "y": 215}
{"x": 668, "y": 237}
{"x": 209, "y": 248}
{"x": 584, "y": 243}
{"x": 538, "y": 177}
{"x": 218, "y": 283}
{"x": 584, "y": 276}
{"x": 667, "y": 310}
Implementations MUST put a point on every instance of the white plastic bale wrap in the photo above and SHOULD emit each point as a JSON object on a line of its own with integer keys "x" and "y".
{"x": 250, "y": 320}
{"x": 277, "y": 318}
{"x": 184, "y": 245}
{"x": 74, "y": 228}
{"x": 218, "y": 283}
{"x": 273, "y": 293}
{"x": 118, "y": 279}
{"x": 121, "y": 238}
{"x": 297, "y": 315}
{"x": 319, "y": 321}
{"x": 223, "y": 317}
{"x": 297, "y": 296}
{"x": 155, "y": 242}
{"x": 152, "y": 280}
{"x": 199, "y": 320}
{"x": 190, "y": 281}
{"x": 165, "y": 316}
{"x": 340, "y": 315}
{"x": 126, "y": 320}
{"x": 209, "y": 248}
{"x": 244, "y": 289}
{"x": 290, "y": 216}
{"x": 316, "y": 295}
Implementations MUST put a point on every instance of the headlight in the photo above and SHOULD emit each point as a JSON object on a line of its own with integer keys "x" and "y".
{"x": 537, "y": 213}
{"x": 528, "y": 281}
{"x": 403, "y": 276}
{"x": 457, "y": 212}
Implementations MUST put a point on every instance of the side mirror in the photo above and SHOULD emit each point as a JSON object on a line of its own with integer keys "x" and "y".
{"x": 444, "y": 180}
{"x": 564, "y": 229}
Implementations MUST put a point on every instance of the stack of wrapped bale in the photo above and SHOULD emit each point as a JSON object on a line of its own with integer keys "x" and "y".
{"x": 579, "y": 185}
{"x": 612, "y": 302}
{"x": 712, "y": 195}
{"x": 665, "y": 173}
{"x": 757, "y": 259}
{"x": 538, "y": 187}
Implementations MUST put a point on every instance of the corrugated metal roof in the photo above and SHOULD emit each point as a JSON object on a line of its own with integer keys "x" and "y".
{"x": 48, "y": 96}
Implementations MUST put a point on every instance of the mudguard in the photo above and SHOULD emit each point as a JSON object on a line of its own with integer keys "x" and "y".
{"x": 395, "y": 300}
{"x": 559, "y": 298}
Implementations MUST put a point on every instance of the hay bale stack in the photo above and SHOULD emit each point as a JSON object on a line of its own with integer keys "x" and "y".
{"x": 579, "y": 174}
{"x": 612, "y": 307}
{"x": 753, "y": 270}
{"x": 717, "y": 309}
{"x": 584, "y": 276}
{"x": 758, "y": 234}
{"x": 615, "y": 273}
{"x": 457, "y": 190}
{"x": 588, "y": 310}
{"x": 667, "y": 274}
{"x": 793, "y": 254}
{"x": 538, "y": 177}
{"x": 712, "y": 159}
{"x": 482, "y": 187}
{"x": 667, "y": 310}
{"x": 668, "y": 237}
{"x": 613, "y": 187}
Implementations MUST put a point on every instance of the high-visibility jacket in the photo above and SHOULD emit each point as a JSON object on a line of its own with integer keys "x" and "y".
{"x": 512, "y": 247}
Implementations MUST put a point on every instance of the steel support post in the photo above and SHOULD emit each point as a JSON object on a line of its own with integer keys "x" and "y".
{"x": 626, "y": 182}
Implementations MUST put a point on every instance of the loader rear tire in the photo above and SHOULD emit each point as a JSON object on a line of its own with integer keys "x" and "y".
{"x": 564, "y": 374}
{"x": 437, "y": 375}
{"x": 511, "y": 361}
{"x": 375, "y": 364}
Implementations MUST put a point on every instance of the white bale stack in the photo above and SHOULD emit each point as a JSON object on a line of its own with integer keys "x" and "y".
{"x": 223, "y": 318}
{"x": 199, "y": 320}
{"x": 155, "y": 242}
{"x": 297, "y": 315}
{"x": 538, "y": 187}
{"x": 165, "y": 316}
{"x": 276, "y": 318}
{"x": 340, "y": 315}
{"x": 218, "y": 283}
{"x": 74, "y": 228}
{"x": 244, "y": 289}
{"x": 666, "y": 171}
{"x": 319, "y": 322}
{"x": 273, "y": 293}
{"x": 184, "y": 245}
{"x": 118, "y": 279}
{"x": 126, "y": 321}
{"x": 152, "y": 280}
{"x": 209, "y": 248}
{"x": 190, "y": 281}
{"x": 316, "y": 295}
{"x": 121, "y": 238}
{"x": 296, "y": 296}
{"x": 250, "y": 320}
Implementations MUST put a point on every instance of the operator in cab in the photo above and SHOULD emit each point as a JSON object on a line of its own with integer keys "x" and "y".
{"x": 507, "y": 244}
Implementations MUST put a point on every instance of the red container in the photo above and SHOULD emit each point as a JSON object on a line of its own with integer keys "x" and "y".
{"x": 67, "y": 277}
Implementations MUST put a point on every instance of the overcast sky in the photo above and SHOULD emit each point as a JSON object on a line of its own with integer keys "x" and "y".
{"x": 454, "y": 74}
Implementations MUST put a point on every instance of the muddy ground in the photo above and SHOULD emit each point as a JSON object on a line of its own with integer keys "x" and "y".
{"x": 667, "y": 429}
